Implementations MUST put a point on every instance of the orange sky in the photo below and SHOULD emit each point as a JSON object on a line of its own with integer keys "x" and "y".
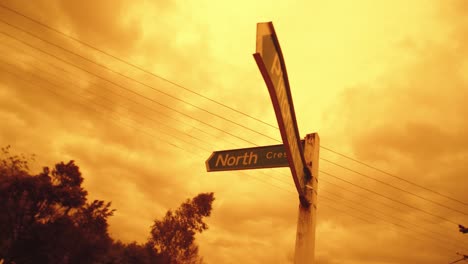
{"x": 382, "y": 81}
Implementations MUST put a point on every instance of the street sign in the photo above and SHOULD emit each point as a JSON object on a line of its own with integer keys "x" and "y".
{"x": 248, "y": 158}
{"x": 270, "y": 61}
{"x": 300, "y": 156}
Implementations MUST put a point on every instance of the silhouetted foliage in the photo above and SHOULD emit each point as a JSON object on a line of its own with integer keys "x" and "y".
{"x": 121, "y": 253}
{"x": 174, "y": 235}
{"x": 46, "y": 218}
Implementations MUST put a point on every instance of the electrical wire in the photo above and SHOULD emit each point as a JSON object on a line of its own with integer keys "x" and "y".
{"x": 434, "y": 235}
{"x": 116, "y": 94}
{"x": 116, "y": 84}
{"x": 188, "y": 103}
{"x": 183, "y": 149}
{"x": 135, "y": 66}
{"x": 137, "y": 81}
{"x": 103, "y": 106}
{"x": 395, "y": 187}
{"x": 394, "y": 224}
{"x": 239, "y": 111}
{"x": 127, "y": 89}
{"x": 27, "y": 44}
{"x": 389, "y": 198}
{"x": 394, "y": 176}
{"x": 113, "y": 118}
{"x": 390, "y": 215}
{"x": 70, "y": 84}
{"x": 364, "y": 205}
{"x": 212, "y": 100}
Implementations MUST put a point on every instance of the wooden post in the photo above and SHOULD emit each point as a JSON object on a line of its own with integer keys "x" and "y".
{"x": 305, "y": 236}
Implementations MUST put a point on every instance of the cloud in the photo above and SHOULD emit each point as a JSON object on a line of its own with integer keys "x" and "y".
{"x": 415, "y": 113}
{"x": 398, "y": 102}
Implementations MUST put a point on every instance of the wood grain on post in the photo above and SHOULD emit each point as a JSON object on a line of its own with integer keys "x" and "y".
{"x": 305, "y": 236}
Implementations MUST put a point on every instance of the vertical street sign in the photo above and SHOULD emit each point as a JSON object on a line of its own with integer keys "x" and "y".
{"x": 302, "y": 156}
{"x": 270, "y": 61}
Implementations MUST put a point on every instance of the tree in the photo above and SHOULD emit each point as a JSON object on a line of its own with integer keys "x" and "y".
{"x": 48, "y": 216}
{"x": 174, "y": 235}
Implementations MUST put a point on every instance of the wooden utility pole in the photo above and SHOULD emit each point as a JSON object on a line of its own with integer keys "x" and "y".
{"x": 305, "y": 235}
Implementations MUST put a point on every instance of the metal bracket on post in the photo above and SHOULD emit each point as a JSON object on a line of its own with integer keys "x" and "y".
{"x": 304, "y": 201}
{"x": 307, "y": 173}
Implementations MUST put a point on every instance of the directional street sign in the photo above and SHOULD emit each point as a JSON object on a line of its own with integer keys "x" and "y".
{"x": 301, "y": 156}
{"x": 248, "y": 158}
{"x": 270, "y": 61}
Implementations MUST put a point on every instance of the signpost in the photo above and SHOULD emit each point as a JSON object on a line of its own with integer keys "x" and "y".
{"x": 301, "y": 156}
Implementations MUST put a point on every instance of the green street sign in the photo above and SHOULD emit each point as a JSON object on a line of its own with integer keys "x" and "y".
{"x": 248, "y": 158}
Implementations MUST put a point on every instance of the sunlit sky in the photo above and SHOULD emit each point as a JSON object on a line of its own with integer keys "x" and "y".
{"x": 384, "y": 82}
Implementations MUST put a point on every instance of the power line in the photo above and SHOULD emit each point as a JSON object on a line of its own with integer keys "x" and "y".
{"x": 389, "y": 198}
{"x": 127, "y": 89}
{"x": 196, "y": 146}
{"x": 188, "y": 103}
{"x": 394, "y": 176}
{"x": 183, "y": 149}
{"x": 330, "y": 201}
{"x": 27, "y": 44}
{"x": 154, "y": 120}
{"x": 111, "y": 110}
{"x": 137, "y": 81}
{"x": 103, "y": 106}
{"x": 104, "y": 98}
{"x": 409, "y": 234}
{"x": 135, "y": 66}
{"x": 115, "y": 119}
{"x": 117, "y": 94}
{"x": 437, "y": 236}
{"x": 322, "y": 180}
{"x": 392, "y": 223}
{"x": 347, "y": 190}
{"x": 87, "y": 106}
{"x": 152, "y": 135}
{"x": 140, "y": 130}
{"x": 394, "y": 187}
{"x": 442, "y": 244}
{"x": 205, "y": 97}
{"x": 376, "y": 210}
{"x": 374, "y": 200}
